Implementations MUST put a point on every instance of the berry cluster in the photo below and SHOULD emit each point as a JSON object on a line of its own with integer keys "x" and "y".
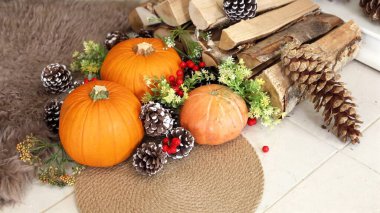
{"x": 170, "y": 146}
{"x": 86, "y": 80}
{"x": 188, "y": 66}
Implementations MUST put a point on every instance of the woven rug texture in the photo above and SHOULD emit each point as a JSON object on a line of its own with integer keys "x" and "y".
{"x": 224, "y": 178}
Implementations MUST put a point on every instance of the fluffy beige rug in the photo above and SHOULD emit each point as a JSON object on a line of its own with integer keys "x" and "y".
{"x": 34, "y": 33}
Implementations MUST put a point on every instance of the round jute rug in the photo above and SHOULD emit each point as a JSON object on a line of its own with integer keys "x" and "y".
{"x": 224, "y": 178}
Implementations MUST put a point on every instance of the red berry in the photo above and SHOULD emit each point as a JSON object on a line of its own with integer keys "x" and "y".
{"x": 190, "y": 64}
{"x": 94, "y": 79}
{"x": 179, "y": 81}
{"x": 176, "y": 88}
{"x": 175, "y": 142}
{"x": 179, "y": 73}
{"x": 172, "y": 150}
{"x": 183, "y": 65}
{"x": 195, "y": 68}
{"x": 251, "y": 121}
{"x": 202, "y": 64}
{"x": 165, "y": 148}
{"x": 165, "y": 141}
{"x": 86, "y": 80}
{"x": 171, "y": 78}
{"x": 180, "y": 93}
{"x": 265, "y": 149}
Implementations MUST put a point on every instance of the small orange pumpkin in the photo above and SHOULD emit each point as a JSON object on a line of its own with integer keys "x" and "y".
{"x": 214, "y": 114}
{"x": 99, "y": 124}
{"x": 130, "y": 61}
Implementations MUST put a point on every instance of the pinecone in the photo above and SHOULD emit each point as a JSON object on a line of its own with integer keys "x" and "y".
{"x": 145, "y": 34}
{"x": 157, "y": 120}
{"x": 315, "y": 77}
{"x": 175, "y": 115}
{"x": 149, "y": 158}
{"x": 371, "y": 8}
{"x": 56, "y": 78}
{"x": 187, "y": 142}
{"x": 114, "y": 38}
{"x": 237, "y": 10}
{"x": 51, "y": 115}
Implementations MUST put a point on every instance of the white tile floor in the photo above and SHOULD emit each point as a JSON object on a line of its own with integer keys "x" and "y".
{"x": 306, "y": 170}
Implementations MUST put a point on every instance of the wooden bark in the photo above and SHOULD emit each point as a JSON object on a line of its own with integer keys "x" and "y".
{"x": 340, "y": 46}
{"x": 173, "y": 12}
{"x": 208, "y": 14}
{"x": 308, "y": 29}
{"x": 141, "y": 18}
{"x": 263, "y": 25}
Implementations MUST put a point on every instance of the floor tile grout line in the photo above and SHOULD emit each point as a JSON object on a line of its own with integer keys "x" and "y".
{"x": 324, "y": 162}
{"x": 55, "y": 204}
{"x": 303, "y": 179}
{"x": 360, "y": 162}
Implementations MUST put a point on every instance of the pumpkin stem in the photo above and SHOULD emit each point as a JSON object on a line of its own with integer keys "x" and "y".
{"x": 99, "y": 93}
{"x": 144, "y": 49}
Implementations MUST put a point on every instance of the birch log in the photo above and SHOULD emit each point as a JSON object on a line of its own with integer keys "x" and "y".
{"x": 208, "y": 14}
{"x": 266, "y": 24}
{"x": 173, "y": 12}
{"x": 310, "y": 28}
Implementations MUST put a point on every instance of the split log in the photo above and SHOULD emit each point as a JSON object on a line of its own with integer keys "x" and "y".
{"x": 308, "y": 29}
{"x": 141, "y": 18}
{"x": 173, "y": 12}
{"x": 340, "y": 46}
{"x": 208, "y": 14}
{"x": 263, "y": 25}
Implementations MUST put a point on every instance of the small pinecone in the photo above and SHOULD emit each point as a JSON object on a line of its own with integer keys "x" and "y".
{"x": 145, "y": 34}
{"x": 51, "y": 115}
{"x": 315, "y": 77}
{"x": 371, "y": 8}
{"x": 114, "y": 38}
{"x": 56, "y": 78}
{"x": 175, "y": 115}
{"x": 237, "y": 10}
{"x": 187, "y": 142}
{"x": 149, "y": 158}
{"x": 157, "y": 120}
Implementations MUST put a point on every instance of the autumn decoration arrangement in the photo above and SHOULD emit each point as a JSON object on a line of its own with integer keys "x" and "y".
{"x": 174, "y": 81}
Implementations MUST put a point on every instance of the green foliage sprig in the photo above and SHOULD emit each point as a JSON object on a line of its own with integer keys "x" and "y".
{"x": 90, "y": 60}
{"x": 52, "y": 162}
{"x": 162, "y": 92}
{"x": 192, "y": 48}
{"x": 236, "y": 76}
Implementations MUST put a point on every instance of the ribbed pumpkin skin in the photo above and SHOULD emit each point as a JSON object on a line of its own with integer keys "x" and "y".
{"x": 124, "y": 66}
{"x": 101, "y": 133}
{"x": 214, "y": 114}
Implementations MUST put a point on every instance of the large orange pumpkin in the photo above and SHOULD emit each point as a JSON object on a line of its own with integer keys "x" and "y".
{"x": 99, "y": 124}
{"x": 214, "y": 114}
{"x": 130, "y": 61}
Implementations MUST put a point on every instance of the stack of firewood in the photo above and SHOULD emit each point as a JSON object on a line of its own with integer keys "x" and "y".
{"x": 258, "y": 41}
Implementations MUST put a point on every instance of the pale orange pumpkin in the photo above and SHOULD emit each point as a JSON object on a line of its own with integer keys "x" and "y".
{"x": 130, "y": 61}
{"x": 214, "y": 114}
{"x": 99, "y": 124}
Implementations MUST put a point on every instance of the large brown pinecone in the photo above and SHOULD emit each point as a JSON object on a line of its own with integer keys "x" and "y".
{"x": 149, "y": 158}
{"x": 187, "y": 142}
{"x": 157, "y": 120}
{"x": 56, "y": 78}
{"x": 237, "y": 10}
{"x": 315, "y": 77}
{"x": 371, "y": 8}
